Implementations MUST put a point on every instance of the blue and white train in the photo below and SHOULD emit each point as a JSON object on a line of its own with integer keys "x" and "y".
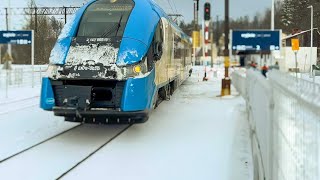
{"x": 114, "y": 62}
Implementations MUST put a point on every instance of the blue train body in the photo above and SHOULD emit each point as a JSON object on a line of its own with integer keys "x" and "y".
{"x": 116, "y": 73}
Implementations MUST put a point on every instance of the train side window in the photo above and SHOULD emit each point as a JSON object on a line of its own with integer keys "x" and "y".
{"x": 178, "y": 47}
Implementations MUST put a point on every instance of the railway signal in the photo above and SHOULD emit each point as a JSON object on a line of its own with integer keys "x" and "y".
{"x": 207, "y": 18}
{"x": 207, "y": 11}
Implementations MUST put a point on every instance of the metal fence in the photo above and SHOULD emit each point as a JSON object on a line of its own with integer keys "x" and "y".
{"x": 21, "y": 76}
{"x": 284, "y": 113}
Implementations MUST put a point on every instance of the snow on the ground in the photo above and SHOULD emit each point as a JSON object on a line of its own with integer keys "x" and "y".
{"x": 195, "y": 135}
{"x": 192, "y": 136}
{"x": 242, "y": 165}
{"x": 24, "y": 128}
{"x": 19, "y": 94}
{"x": 306, "y": 76}
{"x": 53, "y": 158}
{"x": 17, "y": 83}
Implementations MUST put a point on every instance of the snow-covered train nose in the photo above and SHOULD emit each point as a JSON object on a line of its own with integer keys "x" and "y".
{"x": 131, "y": 51}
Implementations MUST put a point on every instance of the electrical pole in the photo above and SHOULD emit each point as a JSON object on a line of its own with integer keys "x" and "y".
{"x": 35, "y": 20}
{"x": 0, "y": 53}
{"x": 217, "y": 32}
{"x": 272, "y": 24}
{"x": 212, "y": 44}
{"x": 197, "y": 15}
{"x": 311, "y": 40}
{"x": 272, "y": 15}
{"x": 226, "y": 82}
{"x": 7, "y": 19}
{"x": 65, "y": 15}
{"x": 195, "y": 33}
{"x": 9, "y": 50}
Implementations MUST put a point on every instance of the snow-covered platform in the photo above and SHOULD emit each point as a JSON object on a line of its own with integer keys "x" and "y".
{"x": 195, "y": 135}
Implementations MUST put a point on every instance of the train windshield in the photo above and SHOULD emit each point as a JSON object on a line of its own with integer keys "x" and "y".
{"x": 105, "y": 18}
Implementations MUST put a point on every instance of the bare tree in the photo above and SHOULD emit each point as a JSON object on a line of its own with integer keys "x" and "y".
{"x": 47, "y": 30}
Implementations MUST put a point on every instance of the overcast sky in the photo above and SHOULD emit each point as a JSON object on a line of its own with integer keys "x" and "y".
{"x": 237, "y": 7}
{"x": 185, "y": 7}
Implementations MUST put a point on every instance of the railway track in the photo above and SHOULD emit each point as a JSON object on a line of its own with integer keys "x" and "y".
{"x": 38, "y": 144}
{"x": 94, "y": 152}
{"x": 18, "y": 100}
{"x": 79, "y": 143}
{"x": 17, "y": 105}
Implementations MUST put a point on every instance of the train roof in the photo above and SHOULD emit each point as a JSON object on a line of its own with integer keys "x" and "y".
{"x": 137, "y": 37}
{"x": 148, "y": 9}
{"x": 161, "y": 12}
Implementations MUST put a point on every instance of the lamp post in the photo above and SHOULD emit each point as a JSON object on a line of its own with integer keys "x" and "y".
{"x": 272, "y": 15}
{"x": 226, "y": 82}
{"x": 311, "y": 39}
{"x": 8, "y": 14}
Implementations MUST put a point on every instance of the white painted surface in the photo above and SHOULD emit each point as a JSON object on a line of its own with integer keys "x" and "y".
{"x": 195, "y": 135}
{"x": 303, "y": 59}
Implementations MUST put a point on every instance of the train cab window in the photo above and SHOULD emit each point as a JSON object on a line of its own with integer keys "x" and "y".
{"x": 105, "y": 18}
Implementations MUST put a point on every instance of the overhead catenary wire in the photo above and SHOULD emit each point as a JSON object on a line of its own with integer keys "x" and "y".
{"x": 170, "y": 6}
{"x": 165, "y": 5}
{"x": 175, "y": 7}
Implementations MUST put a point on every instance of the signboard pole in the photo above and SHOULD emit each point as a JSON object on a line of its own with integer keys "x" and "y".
{"x": 7, "y": 82}
{"x": 230, "y": 46}
{"x": 211, "y": 39}
{"x": 0, "y": 53}
{"x": 295, "y": 44}
{"x": 32, "y": 57}
{"x": 311, "y": 40}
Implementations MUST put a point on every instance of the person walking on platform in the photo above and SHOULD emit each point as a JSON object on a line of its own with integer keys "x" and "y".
{"x": 275, "y": 66}
{"x": 264, "y": 70}
{"x": 253, "y": 65}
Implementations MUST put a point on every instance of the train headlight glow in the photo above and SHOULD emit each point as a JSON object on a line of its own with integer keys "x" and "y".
{"x": 137, "y": 69}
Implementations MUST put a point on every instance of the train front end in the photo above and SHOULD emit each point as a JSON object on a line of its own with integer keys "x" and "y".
{"x": 99, "y": 69}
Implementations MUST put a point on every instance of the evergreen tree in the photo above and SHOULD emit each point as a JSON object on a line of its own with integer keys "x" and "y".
{"x": 287, "y": 17}
{"x": 296, "y": 14}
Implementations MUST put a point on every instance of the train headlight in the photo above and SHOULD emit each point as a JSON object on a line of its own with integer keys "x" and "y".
{"x": 137, "y": 69}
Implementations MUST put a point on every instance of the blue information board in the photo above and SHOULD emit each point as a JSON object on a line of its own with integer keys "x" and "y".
{"x": 256, "y": 40}
{"x": 16, "y": 37}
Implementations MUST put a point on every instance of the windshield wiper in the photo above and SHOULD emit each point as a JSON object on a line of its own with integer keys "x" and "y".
{"x": 119, "y": 24}
{"x": 108, "y": 31}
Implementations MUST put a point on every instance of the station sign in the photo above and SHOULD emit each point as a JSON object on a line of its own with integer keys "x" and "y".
{"x": 256, "y": 40}
{"x": 196, "y": 39}
{"x": 295, "y": 44}
{"x": 16, "y": 37}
